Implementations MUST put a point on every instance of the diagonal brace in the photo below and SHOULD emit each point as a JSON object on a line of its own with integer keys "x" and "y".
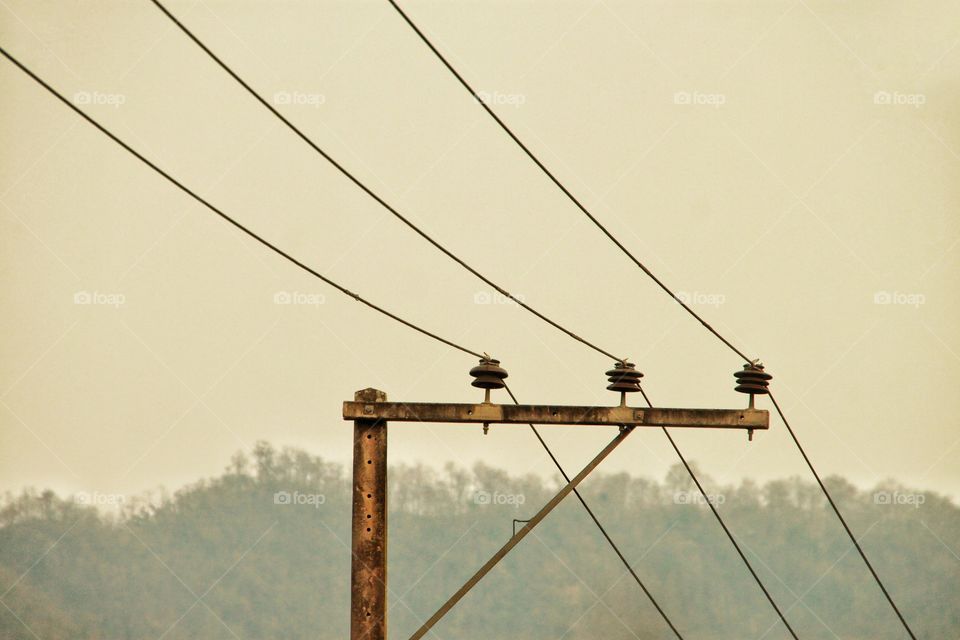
{"x": 515, "y": 540}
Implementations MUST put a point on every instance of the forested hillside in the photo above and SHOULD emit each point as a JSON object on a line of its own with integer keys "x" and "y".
{"x": 263, "y": 552}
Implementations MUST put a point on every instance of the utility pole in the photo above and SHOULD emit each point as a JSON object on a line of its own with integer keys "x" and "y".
{"x": 370, "y": 413}
{"x": 368, "y": 571}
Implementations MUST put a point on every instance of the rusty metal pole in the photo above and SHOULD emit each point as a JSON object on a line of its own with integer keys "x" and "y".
{"x": 368, "y": 571}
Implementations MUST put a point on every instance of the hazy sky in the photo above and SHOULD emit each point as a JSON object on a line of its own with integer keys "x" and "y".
{"x": 792, "y": 167}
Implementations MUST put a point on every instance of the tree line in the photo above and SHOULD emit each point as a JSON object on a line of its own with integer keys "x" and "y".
{"x": 263, "y": 551}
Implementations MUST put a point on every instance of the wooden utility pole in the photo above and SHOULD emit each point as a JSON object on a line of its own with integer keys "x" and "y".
{"x": 368, "y": 572}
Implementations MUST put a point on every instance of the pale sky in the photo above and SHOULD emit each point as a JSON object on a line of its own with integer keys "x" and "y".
{"x": 790, "y": 166}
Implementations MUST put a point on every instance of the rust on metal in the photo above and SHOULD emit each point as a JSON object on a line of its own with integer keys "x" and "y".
{"x": 547, "y": 415}
{"x": 368, "y": 575}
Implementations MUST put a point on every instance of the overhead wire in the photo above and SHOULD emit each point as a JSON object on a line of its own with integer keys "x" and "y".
{"x": 459, "y": 261}
{"x": 726, "y": 529}
{"x": 396, "y": 213}
{"x": 233, "y": 221}
{"x": 576, "y": 201}
{"x": 483, "y": 103}
{"x": 601, "y": 528}
{"x": 363, "y": 187}
{"x": 843, "y": 521}
{"x": 246, "y": 230}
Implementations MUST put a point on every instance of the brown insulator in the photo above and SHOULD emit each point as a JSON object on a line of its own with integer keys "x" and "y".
{"x": 753, "y": 379}
{"x": 624, "y": 378}
{"x": 488, "y": 374}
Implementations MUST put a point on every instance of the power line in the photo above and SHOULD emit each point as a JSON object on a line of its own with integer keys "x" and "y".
{"x": 723, "y": 524}
{"x": 420, "y": 232}
{"x": 226, "y": 217}
{"x": 456, "y": 259}
{"x": 436, "y": 244}
{"x": 659, "y": 283}
{"x": 446, "y": 252}
{"x": 649, "y": 273}
{"x": 332, "y": 283}
{"x": 515, "y": 540}
{"x": 368, "y": 190}
{"x": 557, "y": 182}
{"x": 843, "y": 521}
{"x": 602, "y": 529}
